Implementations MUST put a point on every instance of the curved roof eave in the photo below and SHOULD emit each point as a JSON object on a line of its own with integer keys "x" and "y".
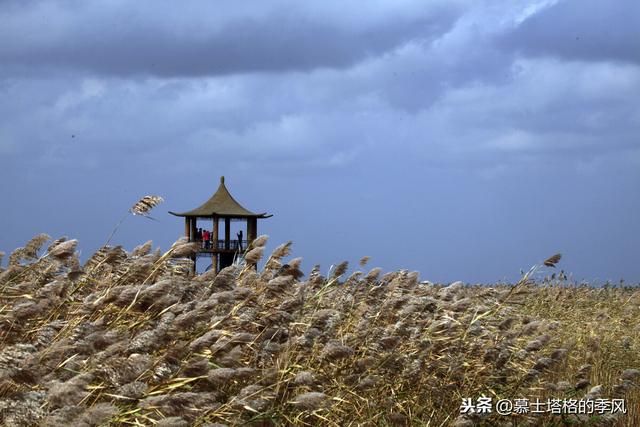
{"x": 221, "y": 204}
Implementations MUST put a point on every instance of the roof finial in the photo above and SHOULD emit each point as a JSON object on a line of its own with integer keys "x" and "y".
{"x": 222, "y": 179}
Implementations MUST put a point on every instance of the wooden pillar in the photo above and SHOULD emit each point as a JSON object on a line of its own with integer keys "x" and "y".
{"x": 187, "y": 228}
{"x": 193, "y": 228}
{"x": 252, "y": 229}
{"x": 214, "y": 257}
{"x": 216, "y": 235}
{"x": 192, "y": 237}
{"x": 227, "y": 232}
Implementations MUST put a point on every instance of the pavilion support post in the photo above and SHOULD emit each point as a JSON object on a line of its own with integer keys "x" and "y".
{"x": 187, "y": 228}
{"x": 227, "y": 233}
{"x": 216, "y": 234}
{"x": 192, "y": 238}
{"x": 252, "y": 230}
{"x": 193, "y": 228}
{"x": 214, "y": 257}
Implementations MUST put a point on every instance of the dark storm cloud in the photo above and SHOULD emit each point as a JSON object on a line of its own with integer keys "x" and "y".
{"x": 453, "y": 140}
{"x": 209, "y": 37}
{"x": 589, "y": 30}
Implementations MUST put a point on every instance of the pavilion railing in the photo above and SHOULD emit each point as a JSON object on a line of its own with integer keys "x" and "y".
{"x": 233, "y": 245}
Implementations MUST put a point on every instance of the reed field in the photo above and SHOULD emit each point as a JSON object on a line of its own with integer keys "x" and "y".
{"x": 134, "y": 339}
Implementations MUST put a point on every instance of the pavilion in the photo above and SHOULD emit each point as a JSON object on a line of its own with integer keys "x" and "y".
{"x": 220, "y": 206}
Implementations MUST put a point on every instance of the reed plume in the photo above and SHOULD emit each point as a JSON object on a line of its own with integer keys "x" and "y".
{"x": 260, "y": 241}
{"x": 552, "y": 260}
{"x": 142, "y": 207}
{"x": 145, "y": 205}
{"x": 364, "y": 260}
{"x": 33, "y": 246}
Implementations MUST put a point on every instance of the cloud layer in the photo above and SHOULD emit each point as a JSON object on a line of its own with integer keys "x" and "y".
{"x": 461, "y": 139}
{"x": 205, "y": 38}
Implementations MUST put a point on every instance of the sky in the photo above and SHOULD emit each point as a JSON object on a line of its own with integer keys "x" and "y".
{"x": 466, "y": 140}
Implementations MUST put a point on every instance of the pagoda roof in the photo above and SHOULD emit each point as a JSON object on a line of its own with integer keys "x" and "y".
{"x": 221, "y": 204}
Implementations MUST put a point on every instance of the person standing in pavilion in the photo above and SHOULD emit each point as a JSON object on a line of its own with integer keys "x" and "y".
{"x": 206, "y": 236}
